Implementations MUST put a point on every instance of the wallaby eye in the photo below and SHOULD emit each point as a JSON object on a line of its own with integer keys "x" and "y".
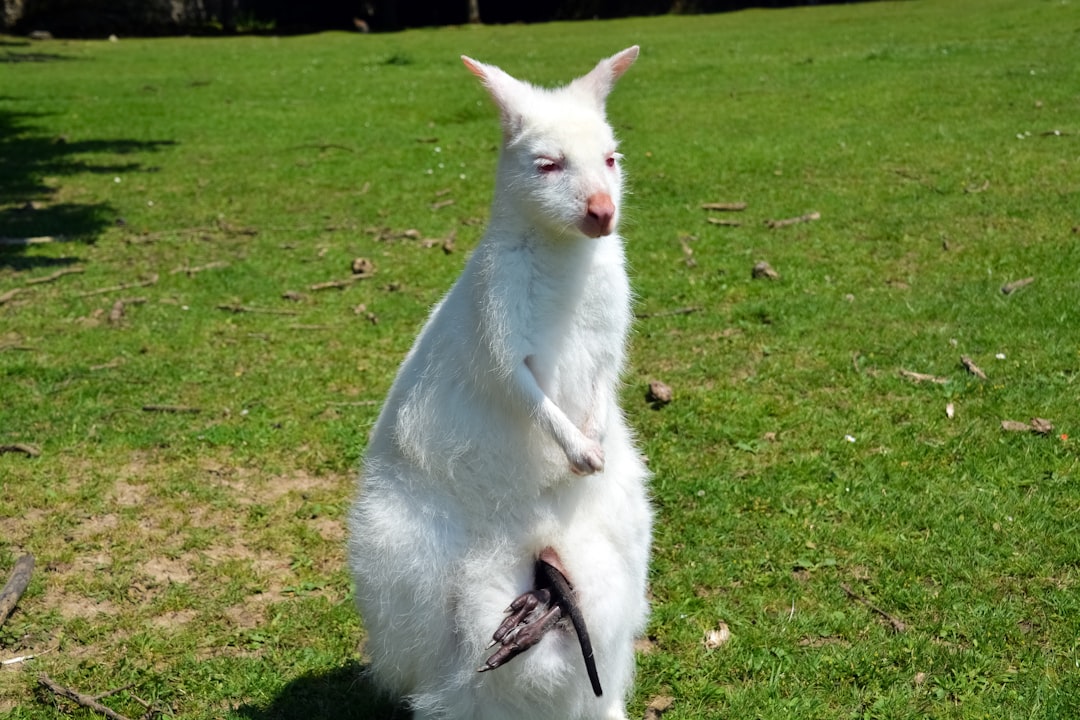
{"x": 546, "y": 165}
{"x": 612, "y": 159}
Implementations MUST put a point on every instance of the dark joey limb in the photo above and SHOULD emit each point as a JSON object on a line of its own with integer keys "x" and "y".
{"x": 532, "y": 614}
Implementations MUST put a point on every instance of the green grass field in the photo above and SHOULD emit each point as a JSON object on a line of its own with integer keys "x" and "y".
{"x": 199, "y": 408}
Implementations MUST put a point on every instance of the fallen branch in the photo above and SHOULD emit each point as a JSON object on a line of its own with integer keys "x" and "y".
{"x": 972, "y": 368}
{"x": 896, "y": 624}
{"x": 56, "y": 275}
{"x": 85, "y": 701}
{"x": 179, "y": 409}
{"x": 249, "y": 309}
{"x": 1010, "y": 288}
{"x": 723, "y": 221}
{"x": 28, "y": 450}
{"x": 923, "y": 377}
{"x": 668, "y": 313}
{"x": 15, "y": 586}
{"x": 724, "y": 206}
{"x": 808, "y": 217}
{"x": 1039, "y": 426}
{"x": 152, "y": 280}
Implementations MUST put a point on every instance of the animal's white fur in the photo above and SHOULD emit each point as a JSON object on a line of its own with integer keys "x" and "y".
{"x": 501, "y": 435}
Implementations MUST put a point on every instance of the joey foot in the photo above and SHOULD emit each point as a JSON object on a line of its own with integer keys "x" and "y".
{"x": 535, "y": 612}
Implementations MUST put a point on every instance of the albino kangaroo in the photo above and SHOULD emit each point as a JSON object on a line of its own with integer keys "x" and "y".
{"x": 500, "y": 471}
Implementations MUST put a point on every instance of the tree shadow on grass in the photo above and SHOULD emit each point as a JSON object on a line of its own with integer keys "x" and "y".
{"x": 29, "y": 155}
{"x": 345, "y": 693}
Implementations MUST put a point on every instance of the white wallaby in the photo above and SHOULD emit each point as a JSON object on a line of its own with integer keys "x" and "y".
{"x": 501, "y": 471}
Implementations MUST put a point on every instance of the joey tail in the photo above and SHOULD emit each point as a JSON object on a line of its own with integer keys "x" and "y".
{"x": 533, "y": 613}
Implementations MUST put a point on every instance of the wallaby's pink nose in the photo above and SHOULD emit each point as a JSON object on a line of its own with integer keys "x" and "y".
{"x": 599, "y": 215}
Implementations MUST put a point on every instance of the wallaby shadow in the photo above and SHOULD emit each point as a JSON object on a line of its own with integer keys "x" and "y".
{"x": 345, "y": 693}
{"x": 29, "y": 155}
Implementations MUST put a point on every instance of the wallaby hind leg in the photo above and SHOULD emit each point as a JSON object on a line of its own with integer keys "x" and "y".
{"x": 532, "y": 614}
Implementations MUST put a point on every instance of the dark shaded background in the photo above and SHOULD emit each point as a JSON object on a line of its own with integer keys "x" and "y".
{"x": 100, "y": 18}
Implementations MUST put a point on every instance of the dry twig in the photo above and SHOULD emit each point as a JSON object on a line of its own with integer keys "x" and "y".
{"x": 1010, "y": 288}
{"x": 152, "y": 280}
{"x": 923, "y": 377}
{"x": 249, "y": 309}
{"x": 25, "y": 449}
{"x": 724, "y": 206}
{"x": 330, "y": 284}
{"x": 23, "y": 241}
{"x": 171, "y": 409}
{"x": 808, "y": 217}
{"x": 84, "y": 700}
{"x": 896, "y": 624}
{"x": 15, "y": 586}
{"x": 6, "y": 297}
{"x": 667, "y": 313}
{"x": 972, "y": 368}
{"x": 190, "y": 271}
{"x": 56, "y": 275}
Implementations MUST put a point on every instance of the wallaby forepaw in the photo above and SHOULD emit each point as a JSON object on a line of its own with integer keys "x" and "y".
{"x": 589, "y": 461}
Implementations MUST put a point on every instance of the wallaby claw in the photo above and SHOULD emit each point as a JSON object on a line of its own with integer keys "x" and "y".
{"x": 533, "y": 613}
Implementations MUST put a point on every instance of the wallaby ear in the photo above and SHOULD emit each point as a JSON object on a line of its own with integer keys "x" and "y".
{"x": 504, "y": 89}
{"x": 601, "y": 79}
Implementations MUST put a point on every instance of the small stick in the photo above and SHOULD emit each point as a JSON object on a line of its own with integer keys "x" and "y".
{"x": 28, "y": 450}
{"x": 191, "y": 271}
{"x": 152, "y": 280}
{"x": 922, "y": 377}
{"x": 666, "y": 313}
{"x": 723, "y": 221}
{"x": 17, "y": 660}
{"x": 248, "y": 309}
{"x": 6, "y": 297}
{"x": 171, "y": 409}
{"x": 15, "y": 586}
{"x": 84, "y": 700}
{"x": 724, "y": 206}
{"x": 897, "y": 624}
{"x": 808, "y": 217}
{"x": 1010, "y": 288}
{"x": 355, "y": 403}
{"x": 56, "y": 275}
{"x": 972, "y": 368}
{"x": 339, "y": 283}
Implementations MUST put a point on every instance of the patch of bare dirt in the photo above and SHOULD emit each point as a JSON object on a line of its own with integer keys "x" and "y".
{"x": 165, "y": 570}
{"x": 173, "y": 618}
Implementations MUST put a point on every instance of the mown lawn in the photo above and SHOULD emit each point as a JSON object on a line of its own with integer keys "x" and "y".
{"x": 183, "y": 407}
